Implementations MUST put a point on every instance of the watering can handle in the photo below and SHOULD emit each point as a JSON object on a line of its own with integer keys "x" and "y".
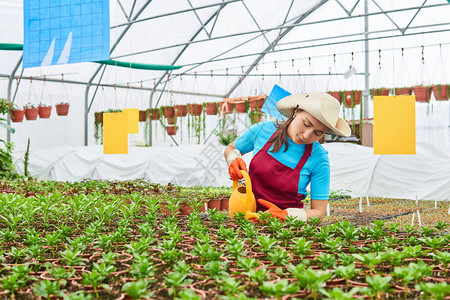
{"x": 248, "y": 185}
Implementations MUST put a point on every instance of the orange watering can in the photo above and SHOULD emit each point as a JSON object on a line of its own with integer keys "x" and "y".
{"x": 242, "y": 199}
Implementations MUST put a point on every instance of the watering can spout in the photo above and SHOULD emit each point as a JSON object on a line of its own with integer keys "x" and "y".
{"x": 242, "y": 199}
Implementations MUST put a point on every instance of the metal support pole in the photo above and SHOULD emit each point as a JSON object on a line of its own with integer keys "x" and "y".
{"x": 366, "y": 59}
{"x": 86, "y": 112}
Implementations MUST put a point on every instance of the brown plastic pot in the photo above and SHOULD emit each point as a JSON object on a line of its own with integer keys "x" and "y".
{"x": 403, "y": 91}
{"x": 214, "y": 204}
{"x": 44, "y": 112}
{"x": 441, "y": 93}
{"x": 31, "y": 113}
{"x": 349, "y": 103}
{"x": 195, "y": 109}
{"x": 168, "y": 111}
{"x": 180, "y": 110}
{"x": 142, "y": 115}
{"x": 17, "y": 115}
{"x": 211, "y": 108}
{"x": 171, "y": 130}
{"x": 336, "y": 95}
{"x": 62, "y": 109}
{"x": 422, "y": 93}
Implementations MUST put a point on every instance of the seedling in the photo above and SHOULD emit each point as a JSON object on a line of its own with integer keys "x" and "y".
{"x": 338, "y": 294}
{"x": 377, "y": 285}
{"x": 278, "y": 289}
{"x": 247, "y": 263}
{"x": 13, "y": 283}
{"x": 72, "y": 258}
{"x": 279, "y": 257}
{"x": 78, "y": 295}
{"x": 258, "y": 276}
{"x": 143, "y": 268}
{"x": 326, "y": 260}
{"x": 175, "y": 280}
{"x": 187, "y": 294}
{"x": 436, "y": 291}
{"x": 313, "y": 280}
{"x": 230, "y": 286}
{"x": 137, "y": 289}
{"x": 302, "y": 247}
{"x": 95, "y": 279}
{"x": 369, "y": 260}
{"x": 47, "y": 288}
{"x": 444, "y": 259}
{"x": 347, "y": 272}
{"x": 345, "y": 258}
{"x": 216, "y": 269}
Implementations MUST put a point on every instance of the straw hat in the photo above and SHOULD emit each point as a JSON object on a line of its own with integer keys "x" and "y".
{"x": 320, "y": 105}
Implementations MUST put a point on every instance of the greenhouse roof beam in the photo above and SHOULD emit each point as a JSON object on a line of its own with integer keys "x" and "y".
{"x": 174, "y": 13}
{"x": 256, "y": 23}
{"x": 271, "y": 47}
{"x": 123, "y": 10}
{"x": 217, "y": 17}
{"x": 273, "y": 28}
{"x": 132, "y": 7}
{"x": 348, "y": 12}
{"x": 415, "y": 15}
{"x": 185, "y": 47}
{"x": 199, "y": 20}
{"x": 390, "y": 19}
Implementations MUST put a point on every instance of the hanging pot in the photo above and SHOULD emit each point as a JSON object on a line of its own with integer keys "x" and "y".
{"x": 44, "y": 111}
{"x": 62, "y": 109}
{"x": 142, "y": 115}
{"x": 403, "y": 91}
{"x": 211, "y": 108}
{"x": 171, "y": 121}
{"x": 422, "y": 93}
{"x": 31, "y": 113}
{"x": 256, "y": 103}
{"x": 226, "y": 107}
{"x": 17, "y": 115}
{"x": 168, "y": 111}
{"x": 380, "y": 92}
{"x": 241, "y": 105}
{"x": 352, "y": 98}
{"x": 180, "y": 110}
{"x": 171, "y": 130}
{"x": 195, "y": 109}
{"x": 336, "y": 95}
{"x": 154, "y": 114}
{"x": 98, "y": 117}
{"x": 441, "y": 92}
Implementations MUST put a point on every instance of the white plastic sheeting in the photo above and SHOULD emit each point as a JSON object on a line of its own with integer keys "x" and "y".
{"x": 354, "y": 168}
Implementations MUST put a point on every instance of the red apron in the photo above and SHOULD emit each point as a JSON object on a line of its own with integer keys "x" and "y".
{"x": 275, "y": 182}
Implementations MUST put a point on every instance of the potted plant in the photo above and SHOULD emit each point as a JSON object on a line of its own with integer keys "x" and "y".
{"x": 142, "y": 115}
{"x": 44, "y": 111}
{"x": 211, "y": 108}
{"x": 180, "y": 110}
{"x": 352, "y": 98}
{"x": 257, "y": 102}
{"x": 171, "y": 129}
{"x": 441, "y": 92}
{"x": 255, "y": 116}
{"x": 154, "y": 114}
{"x": 17, "y": 114}
{"x": 241, "y": 105}
{"x": 168, "y": 111}
{"x": 195, "y": 109}
{"x": 31, "y": 111}
{"x": 62, "y": 108}
{"x": 380, "y": 92}
{"x": 422, "y": 93}
{"x": 403, "y": 91}
{"x": 337, "y": 95}
{"x": 226, "y": 107}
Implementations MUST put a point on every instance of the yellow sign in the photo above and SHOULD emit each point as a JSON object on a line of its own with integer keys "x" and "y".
{"x": 394, "y": 125}
{"x": 115, "y": 133}
{"x": 132, "y": 119}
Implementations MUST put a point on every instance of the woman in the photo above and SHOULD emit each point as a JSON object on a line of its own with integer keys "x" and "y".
{"x": 287, "y": 156}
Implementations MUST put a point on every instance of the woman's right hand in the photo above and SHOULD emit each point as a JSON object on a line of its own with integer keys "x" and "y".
{"x": 235, "y": 169}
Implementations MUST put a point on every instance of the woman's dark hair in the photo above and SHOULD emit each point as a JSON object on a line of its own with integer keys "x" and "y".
{"x": 281, "y": 137}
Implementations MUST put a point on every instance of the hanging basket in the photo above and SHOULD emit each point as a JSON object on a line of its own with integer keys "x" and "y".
{"x": 403, "y": 91}
{"x": 98, "y": 117}
{"x": 336, "y": 95}
{"x": 257, "y": 102}
{"x": 422, "y": 93}
{"x": 241, "y": 105}
{"x": 226, "y": 107}
{"x": 44, "y": 112}
{"x": 31, "y": 113}
{"x": 62, "y": 109}
{"x": 352, "y": 98}
{"x": 211, "y": 108}
{"x": 380, "y": 92}
{"x": 171, "y": 130}
{"x": 171, "y": 121}
{"x": 154, "y": 114}
{"x": 180, "y": 110}
{"x": 195, "y": 109}
{"x": 168, "y": 111}
{"x": 142, "y": 115}
{"x": 441, "y": 92}
{"x": 17, "y": 115}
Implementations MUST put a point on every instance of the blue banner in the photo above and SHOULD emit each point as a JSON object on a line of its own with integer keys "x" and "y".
{"x": 65, "y": 31}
